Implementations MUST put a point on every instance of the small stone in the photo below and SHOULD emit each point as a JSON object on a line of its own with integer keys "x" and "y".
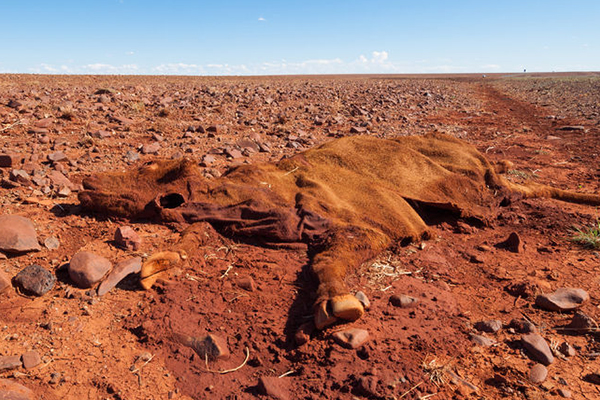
{"x": 276, "y": 388}
{"x": 351, "y": 338}
{"x": 582, "y": 323}
{"x": 207, "y": 160}
{"x": 31, "y": 359}
{"x": 151, "y": 148}
{"x": 120, "y": 271}
{"x": 513, "y": 243}
{"x": 128, "y": 239}
{"x": 233, "y": 153}
{"x": 538, "y": 373}
{"x": 566, "y": 349}
{"x": 358, "y": 129}
{"x": 211, "y": 346}
{"x": 59, "y": 180}
{"x": 246, "y": 283}
{"x": 35, "y": 280}
{"x": 4, "y": 282}
{"x": 522, "y": 326}
{"x": 302, "y": 334}
{"x": 364, "y": 300}
{"x": 538, "y": 348}
{"x": 566, "y": 393}
{"x": 132, "y": 156}
{"x": 64, "y": 191}
{"x": 17, "y": 234}
{"x": 367, "y": 386}
{"x": 403, "y": 301}
{"x": 10, "y": 362}
{"x": 57, "y": 156}
{"x": 571, "y": 128}
{"x": 20, "y": 176}
{"x": 51, "y": 243}
{"x": 563, "y": 299}
{"x": 11, "y": 390}
{"x": 9, "y": 160}
{"x": 488, "y": 326}
{"x": 482, "y": 340}
{"x": 87, "y": 269}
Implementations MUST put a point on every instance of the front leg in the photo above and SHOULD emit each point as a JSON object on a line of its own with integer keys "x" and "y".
{"x": 156, "y": 266}
{"x": 343, "y": 248}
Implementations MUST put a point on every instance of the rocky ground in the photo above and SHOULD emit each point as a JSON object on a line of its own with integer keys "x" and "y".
{"x": 479, "y": 312}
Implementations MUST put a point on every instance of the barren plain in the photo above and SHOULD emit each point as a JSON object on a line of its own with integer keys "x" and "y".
{"x": 476, "y": 298}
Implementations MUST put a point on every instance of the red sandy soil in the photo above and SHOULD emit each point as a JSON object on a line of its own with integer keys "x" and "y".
{"x": 118, "y": 346}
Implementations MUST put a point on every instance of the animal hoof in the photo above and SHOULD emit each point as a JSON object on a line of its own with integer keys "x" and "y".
{"x": 156, "y": 266}
{"x": 347, "y": 307}
{"x": 324, "y": 315}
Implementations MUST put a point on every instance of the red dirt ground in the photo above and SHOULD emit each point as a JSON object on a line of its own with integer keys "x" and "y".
{"x": 91, "y": 346}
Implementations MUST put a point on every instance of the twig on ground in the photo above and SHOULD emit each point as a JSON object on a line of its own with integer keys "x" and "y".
{"x": 226, "y": 272}
{"x": 410, "y": 390}
{"x": 226, "y": 371}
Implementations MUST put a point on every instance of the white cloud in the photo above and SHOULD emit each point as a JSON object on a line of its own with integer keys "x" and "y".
{"x": 378, "y": 62}
{"x": 178, "y": 69}
{"x": 261, "y": 19}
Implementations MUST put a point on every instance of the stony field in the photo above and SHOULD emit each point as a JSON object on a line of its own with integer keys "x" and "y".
{"x": 503, "y": 310}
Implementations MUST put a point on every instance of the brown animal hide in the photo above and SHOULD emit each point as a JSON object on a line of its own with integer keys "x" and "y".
{"x": 348, "y": 200}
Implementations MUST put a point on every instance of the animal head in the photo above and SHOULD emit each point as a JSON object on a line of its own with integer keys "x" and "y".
{"x": 132, "y": 194}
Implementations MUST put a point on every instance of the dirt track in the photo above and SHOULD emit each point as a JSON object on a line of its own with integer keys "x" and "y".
{"x": 90, "y": 345}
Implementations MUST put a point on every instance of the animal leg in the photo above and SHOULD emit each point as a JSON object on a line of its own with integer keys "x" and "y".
{"x": 343, "y": 249}
{"x": 157, "y": 265}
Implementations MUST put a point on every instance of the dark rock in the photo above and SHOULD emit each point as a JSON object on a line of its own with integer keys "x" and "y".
{"x": 35, "y": 280}
{"x": 120, "y": 271}
{"x": 9, "y": 160}
{"x": 538, "y": 373}
{"x": 488, "y": 326}
{"x": 513, "y": 243}
{"x": 563, "y": 299}
{"x": 582, "y": 323}
{"x": 522, "y": 326}
{"x": 276, "y": 388}
{"x": 351, "y": 338}
{"x": 87, "y": 269}
{"x": 128, "y": 239}
{"x": 17, "y": 234}
{"x": 403, "y": 301}
{"x": 571, "y": 128}
{"x": 537, "y": 348}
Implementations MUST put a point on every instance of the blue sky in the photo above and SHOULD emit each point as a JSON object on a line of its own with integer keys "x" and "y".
{"x": 297, "y": 37}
